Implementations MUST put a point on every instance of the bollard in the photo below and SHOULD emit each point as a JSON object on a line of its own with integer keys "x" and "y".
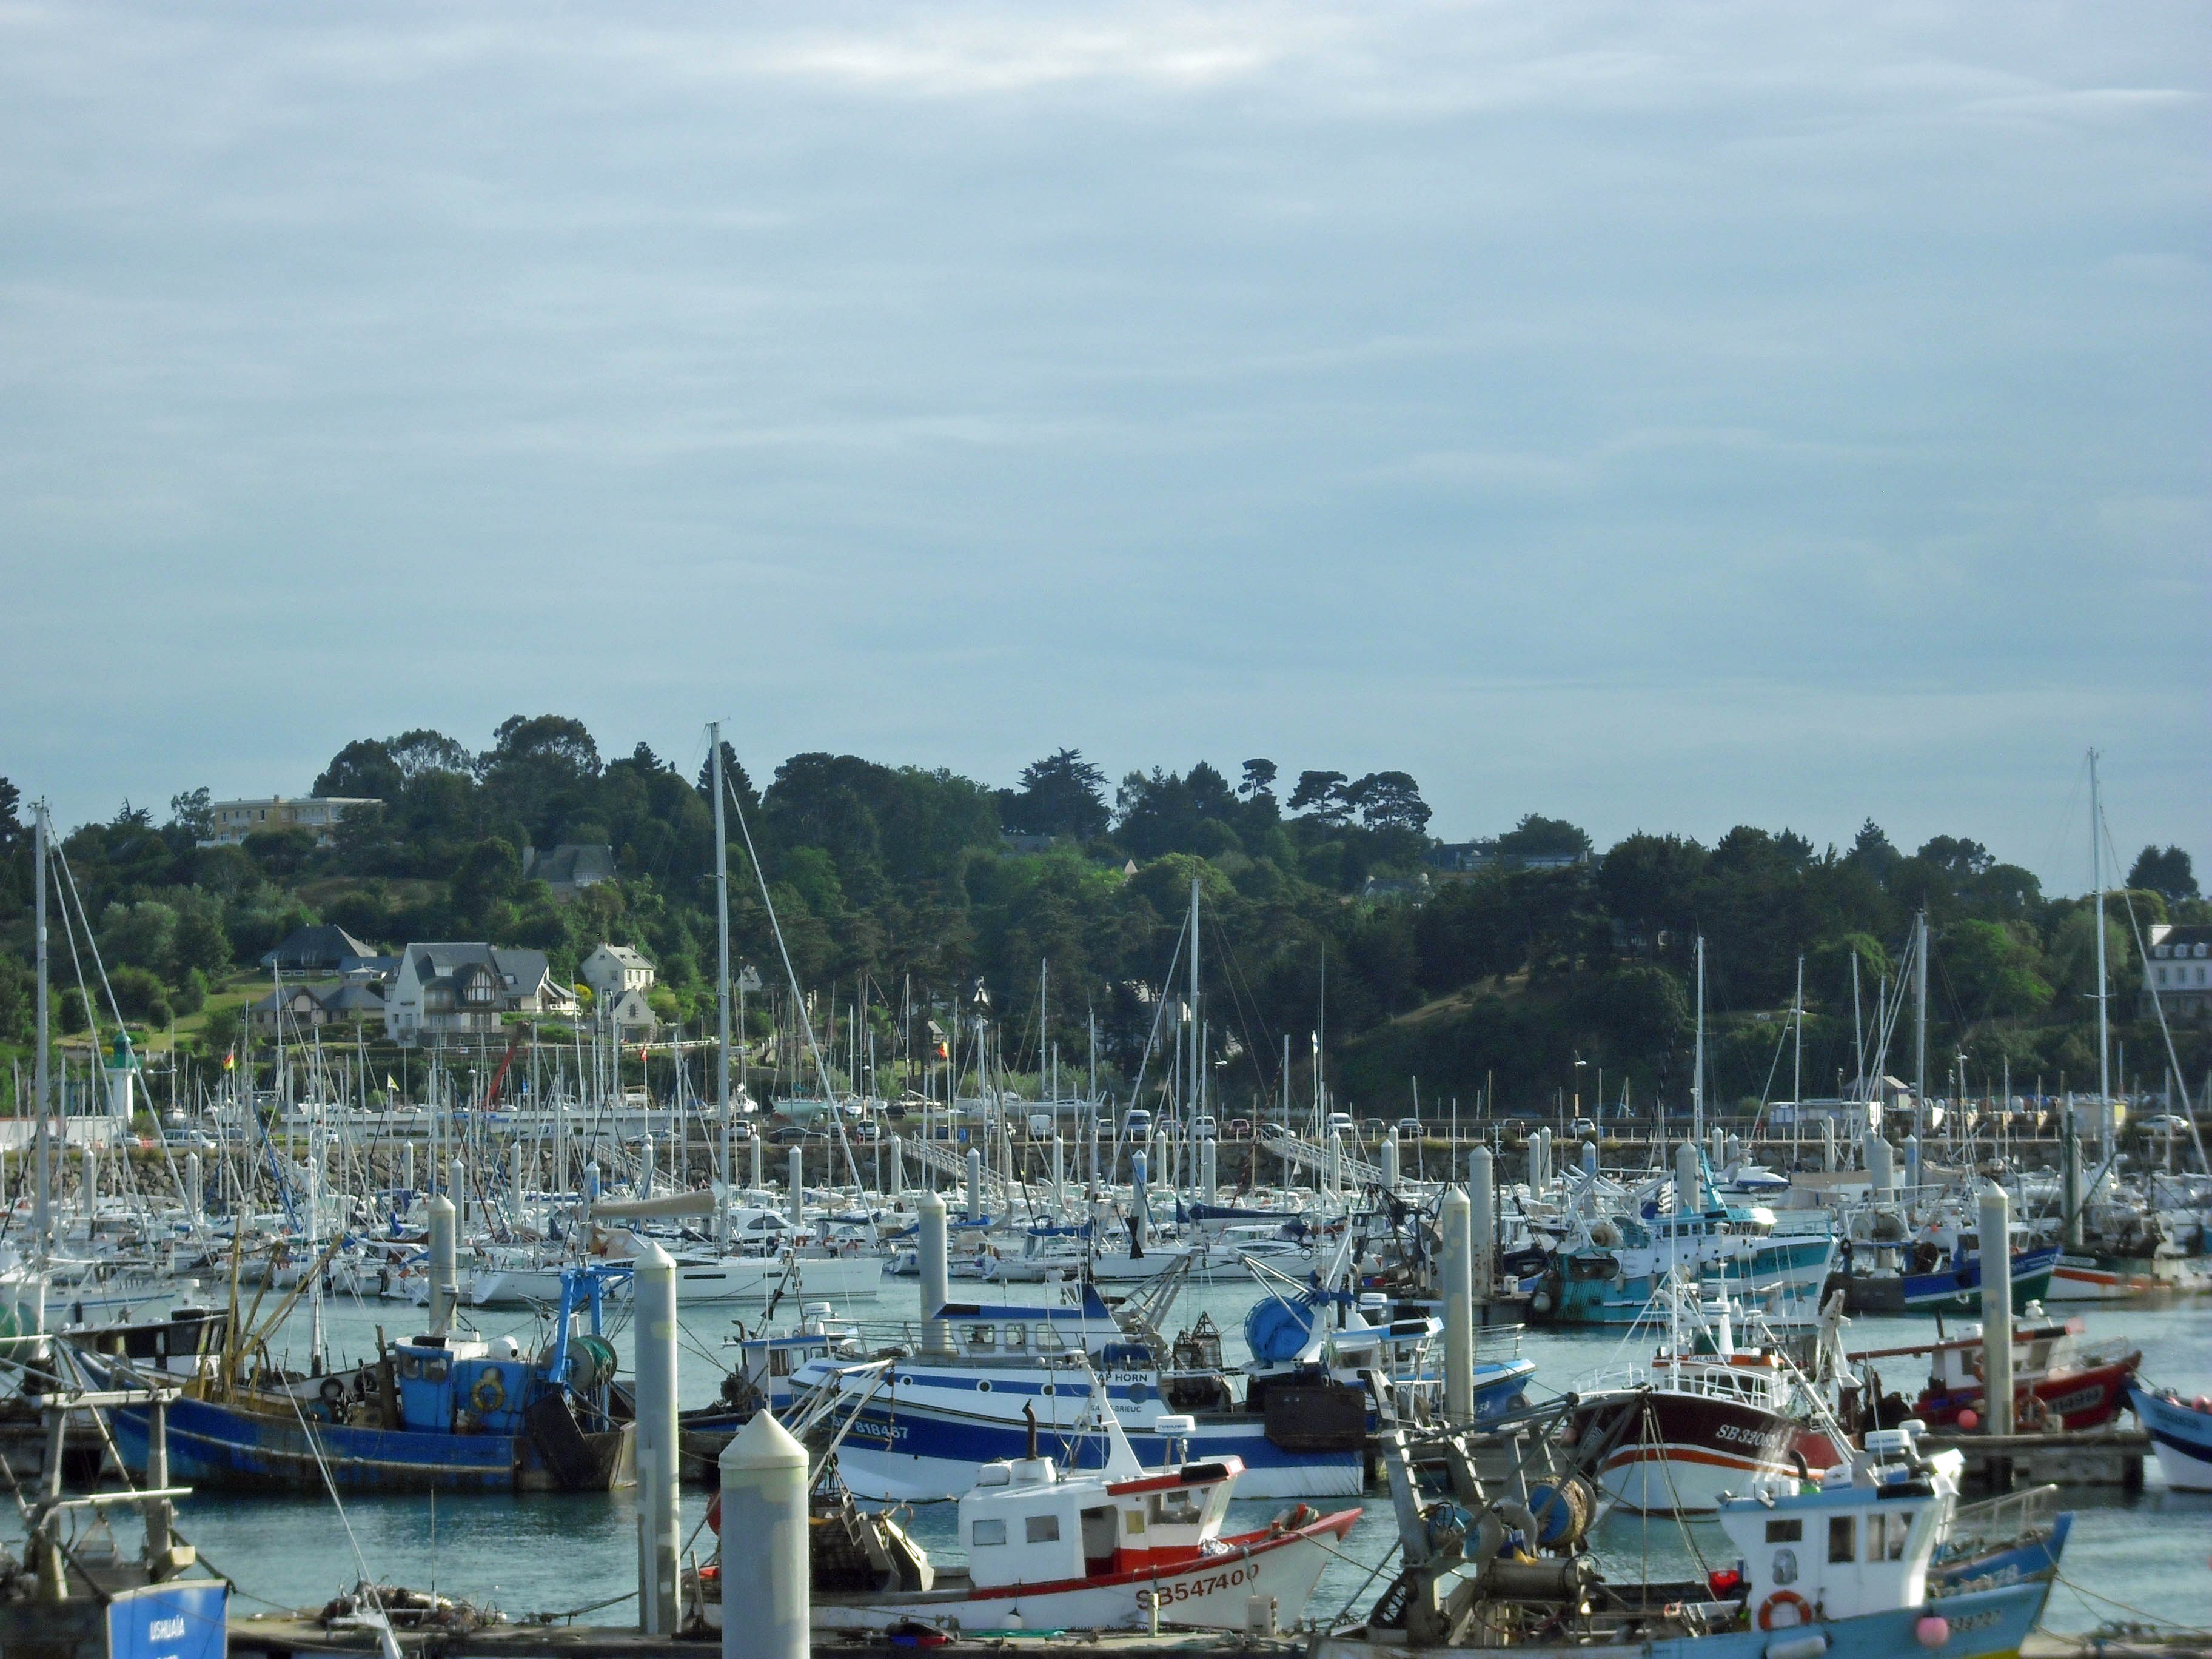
{"x": 444, "y": 1286}
{"x": 1912, "y": 1163}
{"x": 929, "y": 1252}
{"x": 1388, "y": 1157}
{"x": 193, "y": 1187}
{"x": 457, "y": 1186}
{"x": 1059, "y": 1174}
{"x": 1996, "y": 1315}
{"x": 795, "y": 1197}
{"x": 1881, "y": 1169}
{"x": 974, "y": 1184}
{"x": 1482, "y": 1200}
{"x": 1208, "y": 1169}
{"x": 1457, "y": 1224}
{"x": 1589, "y": 1158}
{"x": 654, "y": 1298}
{"x": 1140, "y": 1205}
{"x": 768, "y": 1594}
{"x": 1689, "y": 1190}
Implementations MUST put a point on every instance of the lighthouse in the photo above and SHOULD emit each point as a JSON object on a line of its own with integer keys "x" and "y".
{"x": 122, "y": 1074}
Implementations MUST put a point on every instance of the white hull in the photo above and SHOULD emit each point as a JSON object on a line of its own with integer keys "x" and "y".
{"x": 1211, "y": 1593}
{"x": 732, "y": 1279}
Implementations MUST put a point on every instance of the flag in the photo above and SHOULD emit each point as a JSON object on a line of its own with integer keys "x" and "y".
{"x": 943, "y": 1052}
{"x": 640, "y": 1053}
{"x": 391, "y": 1083}
{"x": 230, "y": 1060}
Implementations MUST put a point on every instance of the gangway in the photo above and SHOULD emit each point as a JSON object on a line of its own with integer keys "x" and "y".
{"x": 953, "y": 1166}
{"x": 1354, "y": 1172}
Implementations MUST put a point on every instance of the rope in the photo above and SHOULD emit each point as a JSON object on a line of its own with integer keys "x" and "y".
{"x": 2186, "y": 1630}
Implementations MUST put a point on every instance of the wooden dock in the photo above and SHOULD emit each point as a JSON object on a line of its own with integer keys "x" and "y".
{"x": 2107, "y": 1456}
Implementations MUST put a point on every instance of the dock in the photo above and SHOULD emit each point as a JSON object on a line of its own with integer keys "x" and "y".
{"x": 2107, "y": 1456}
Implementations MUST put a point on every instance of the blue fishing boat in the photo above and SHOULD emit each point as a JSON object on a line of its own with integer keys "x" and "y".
{"x": 442, "y": 1412}
{"x": 2181, "y": 1430}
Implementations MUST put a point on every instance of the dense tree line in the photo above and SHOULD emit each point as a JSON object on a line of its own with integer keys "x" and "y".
{"x": 1320, "y": 909}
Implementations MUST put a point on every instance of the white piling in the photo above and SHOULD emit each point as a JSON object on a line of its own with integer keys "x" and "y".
{"x": 1911, "y": 1162}
{"x": 1458, "y": 1226}
{"x": 795, "y": 1194}
{"x": 767, "y": 1596}
{"x": 1208, "y": 1169}
{"x": 974, "y": 1183}
{"x": 1589, "y": 1158}
{"x": 514, "y": 1178}
{"x": 1059, "y": 1175}
{"x": 1482, "y": 1198}
{"x": 407, "y": 1165}
{"x": 898, "y": 1167}
{"x": 1996, "y": 1311}
{"x": 1140, "y": 1199}
{"x": 1388, "y": 1160}
{"x": 457, "y": 1184}
{"x": 759, "y": 1146}
{"x": 1689, "y": 1194}
{"x": 192, "y": 1194}
{"x": 1828, "y": 1143}
{"x": 644, "y": 1167}
{"x": 654, "y": 1295}
{"x": 936, "y": 1334}
{"x": 1881, "y": 1169}
{"x": 444, "y": 1283}
{"x": 1334, "y": 1165}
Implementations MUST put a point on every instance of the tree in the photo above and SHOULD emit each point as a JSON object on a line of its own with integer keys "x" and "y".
{"x": 1538, "y": 836}
{"x": 490, "y": 873}
{"x": 2168, "y": 873}
{"x": 366, "y": 769}
{"x": 734, "y": 776}
{"x": 13, "y": 833}
{"x": 1259, "y": 779}
{"x": 423, "y": 751}
{"x": 1062, "y": 794}
{"x": 191, "y": 815}
{"x": 1871, "y": 849}
{"x": 1320, "y": 795}
{"x": 1389, "y": 800}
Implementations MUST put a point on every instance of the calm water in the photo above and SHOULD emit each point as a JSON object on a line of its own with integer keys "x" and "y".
{"x": 550, "y": 1553}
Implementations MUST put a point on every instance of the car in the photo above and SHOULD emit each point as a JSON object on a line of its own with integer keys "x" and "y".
{"x": 1409, "y": 1128}
{"x": 2165, "y": 1123}
{"x": 1340, "y": 1123}
{"x": 866, "y": 1130}
{"x": 1583, "y": 1126}
{"x": 1240, "y": 1128}
{"x": 1371, "y": 1129}
{"x": 1202, "y": 1127}
{"x": 1138, "y": 1125}
{"x": 793, "y": 1134}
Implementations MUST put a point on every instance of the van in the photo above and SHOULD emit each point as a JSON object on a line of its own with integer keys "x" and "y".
{"x": 1202, "y": 1127}
{"x": 1138, "y": 1125}
{"x": 1340, "y": 1123}
{"x": 1040, "y": 1125}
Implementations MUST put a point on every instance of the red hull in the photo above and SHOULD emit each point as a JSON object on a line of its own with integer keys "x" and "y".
{"x": 2079, "y": 1400}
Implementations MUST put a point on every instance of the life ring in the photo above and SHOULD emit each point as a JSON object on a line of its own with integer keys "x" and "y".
{"x": 489, "y": 1393}
{"x": 1782, "y": 1598}
{"x": 332, "y": 1390}
{"x": 2034, "y": 1416}
{"x": 714, "y": 1516}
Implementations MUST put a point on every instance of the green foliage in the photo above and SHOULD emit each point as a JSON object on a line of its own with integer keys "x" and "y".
{"x": 2169, "y": 874}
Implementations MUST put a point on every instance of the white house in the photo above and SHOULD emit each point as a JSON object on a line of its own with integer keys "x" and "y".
{"x": 445, "y": 988}
{"x": 620, "y": 979}
{"x": 2178, "y": 967}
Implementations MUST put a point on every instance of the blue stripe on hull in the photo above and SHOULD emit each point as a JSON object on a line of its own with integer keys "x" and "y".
{"x": 212, "y": 1445}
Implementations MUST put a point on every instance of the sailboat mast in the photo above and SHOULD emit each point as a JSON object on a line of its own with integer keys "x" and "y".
{"x": 41, "y": 1068}
{"x": 2104, "y": 1026}
{"x": 722, "y": 957}
{"x": 1698, "y": 1060}
{"x": 1798, "y": 1051}
{"x": 1196, "y": 1104}
{"x": 1920, "y": 1025}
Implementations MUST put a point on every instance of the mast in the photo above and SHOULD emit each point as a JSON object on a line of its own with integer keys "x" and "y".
{"x": 2104, "y": 1026}
{"x": 1797, "y": 1052}
{"x": 41, "y": 1072}
{"x": 1697, "y": 1061}
{"x": 722, "y": 955}
{"x": 1920, "y": 1025}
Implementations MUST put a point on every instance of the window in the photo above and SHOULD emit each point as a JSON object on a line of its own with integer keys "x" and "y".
{"x": 1043, "y": 1529}
{"x": 1017, "y": 1336}
{"x": 1877, "y": 1526}
{"x": 1900, "y": 1527}
{"x": 1843, "y": 1538}
{"x": 982, "y": 1336}
{"x": 987, "y": 1532}
{"x": 779, "y": 1362}
{"x": 1785, "y": 1531}
{"x": 1179, "y": 1508}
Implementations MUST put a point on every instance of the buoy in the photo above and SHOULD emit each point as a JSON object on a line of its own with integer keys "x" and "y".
{"x": 1969, "y": 1420}
{"x": 1933, "y": 1631}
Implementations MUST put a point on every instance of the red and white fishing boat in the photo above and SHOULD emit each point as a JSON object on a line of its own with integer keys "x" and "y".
{"x": 1706, "y": 1418}
{"x": 1055, "y": 1549}
{"x": 2057, "y": 1383}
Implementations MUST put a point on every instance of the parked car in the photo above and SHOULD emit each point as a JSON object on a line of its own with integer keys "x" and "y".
{"x": 794, "y": 1134}
{"x": 2165, "y": 1123}
{"x": 866, "y": 1130}
{"x": 1583, "y": 1126}
{"x": 1138, "y": 1125}
{"x": 1340, "y": 1123}
{"x": 1202, "y": 1127}
{"x": 1240, "y": 1128}
{"x": 1409, "y": 1128}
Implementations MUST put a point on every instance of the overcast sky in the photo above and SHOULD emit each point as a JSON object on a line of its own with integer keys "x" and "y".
{"x": 1664, "y": 417}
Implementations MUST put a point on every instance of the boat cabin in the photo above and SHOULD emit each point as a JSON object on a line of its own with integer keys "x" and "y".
{"x": 2040, "y": 1349}
{"x": 770, "y": 1362}
{"x": 984, "y": 1331}
{"x": 1028, "y": 1523}
{"x": 458, "y": 1384}
{"x": 1853, "y": 1539}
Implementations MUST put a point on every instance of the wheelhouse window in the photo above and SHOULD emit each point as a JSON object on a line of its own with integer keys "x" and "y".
{"x": 1785, "y": 1531}
{"x": 987, "y": 1532}
{"x": 1043, "y": 1529}
{"x": 982, "y": 1336}
{"x": 1843, "y": 1538}
{"x": 1017, "y": 1336}
{"x": 1179, "y": 1508}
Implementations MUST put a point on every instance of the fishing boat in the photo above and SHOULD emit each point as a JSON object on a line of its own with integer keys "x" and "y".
{"x": 1706, "y": 1418}
{"x": 2181, "y": 1430}
{"x": 1839, "y": 1562}
{"x": 442, "y": 1412}
{"x": 2057, "y": 1383}
{"x": 1053, "y": 1548}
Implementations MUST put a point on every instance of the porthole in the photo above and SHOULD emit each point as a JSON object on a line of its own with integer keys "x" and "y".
{"x": 984, "y": 1387}
{"x": 1048, "y": 1389}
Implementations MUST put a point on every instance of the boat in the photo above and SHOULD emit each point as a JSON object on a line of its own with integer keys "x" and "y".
{"x": 2181, "y": 1430}
{"x": 441, "y": 1412}
{"x": 1838, "y": 1562}
{"x": 1051, "y": 1548}
{"x": 1704, "y": 1419}
{"x": 2057, "y": 1383}
{"x": 74, "y": 1594}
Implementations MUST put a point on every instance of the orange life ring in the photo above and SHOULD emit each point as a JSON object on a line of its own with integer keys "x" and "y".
{"x": 2032, "y": 1414}
{"x": 1782, "y": 1598}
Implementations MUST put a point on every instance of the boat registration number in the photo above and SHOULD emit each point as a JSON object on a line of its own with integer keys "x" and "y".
{"x": 1186, "y": 1589}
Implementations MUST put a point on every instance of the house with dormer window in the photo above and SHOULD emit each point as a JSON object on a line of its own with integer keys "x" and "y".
{"x": 447, "y": 989}
{"x": 2178, "y": 967}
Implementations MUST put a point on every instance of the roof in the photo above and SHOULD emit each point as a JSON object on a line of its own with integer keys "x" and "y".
{"x": 572, "y": 864}
{"x": 440, "y": 960}
{"x": 322, "y": 946}
{"x": 626, "y": 955}
{"x": 2168, "y": 942}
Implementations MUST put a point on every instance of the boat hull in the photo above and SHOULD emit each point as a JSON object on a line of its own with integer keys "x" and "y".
{"x": 2182, "y": 1436}
{"x": 1691, "y": 1448}
{"x": 1983, "y": 1625}
{"x": 2080, "y": 1400}
{"x": 2102, "y": 1278}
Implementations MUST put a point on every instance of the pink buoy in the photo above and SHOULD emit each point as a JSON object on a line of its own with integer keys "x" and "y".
{"x": 1969, "y": 1420}
{"x": 1933, "y": 1631}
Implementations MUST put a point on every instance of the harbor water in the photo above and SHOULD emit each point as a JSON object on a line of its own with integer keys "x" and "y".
{"x": 2132, "y": 1557}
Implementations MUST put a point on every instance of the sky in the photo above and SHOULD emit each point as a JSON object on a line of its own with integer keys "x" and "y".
{"x": 1664, "y": 417}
